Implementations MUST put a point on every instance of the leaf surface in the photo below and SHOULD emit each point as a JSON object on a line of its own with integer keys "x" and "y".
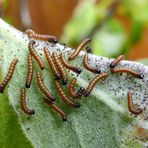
{"x": 103, "y": 116}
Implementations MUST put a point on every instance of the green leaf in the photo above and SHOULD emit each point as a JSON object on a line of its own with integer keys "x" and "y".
{"x": 137, "y": 31}
{"x": 10, "y": 130}
{"x": 137, "y": 10}
{"x": 110, "y": 39}
{"x": 84, "y": 19}
{"x": 99, "y": 122}
{"x": 5, "y": 3}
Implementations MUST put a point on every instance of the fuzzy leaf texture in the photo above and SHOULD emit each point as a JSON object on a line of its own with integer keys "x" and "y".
{"x": 103, "y": 120}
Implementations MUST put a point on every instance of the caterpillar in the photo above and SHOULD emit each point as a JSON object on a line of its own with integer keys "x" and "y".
{"x": 60, "y": 67}
{"x": 71, "y": 91}
{"x": 68, "y": 66}
{"x": 43, "y": 88}
{"x": 50, "y": 61}
{"x": 49, "y": 38}
{"x": 30, "y": 71}
{"x": 117, "y": 60}
{"x": 93, "y": 83}
{"x": 78, "y": 49}
{"x": 88, "y": 67}
{"x": 131, "y": 107}
{"x": 58, "y": 110}
{"x": 8, "y": 75}
{"x": 128, "y": 71}
{"x": 35, "y": 55}
{"x": 64, "y": 97}
{"x": 29, "y": 32}
{"x": 23, "y": 103}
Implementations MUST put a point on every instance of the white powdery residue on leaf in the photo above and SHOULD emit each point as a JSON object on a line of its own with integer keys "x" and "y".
{"x": 116, "y": 85}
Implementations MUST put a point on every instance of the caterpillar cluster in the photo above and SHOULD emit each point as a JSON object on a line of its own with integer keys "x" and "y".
{"x": 58, "y": 65}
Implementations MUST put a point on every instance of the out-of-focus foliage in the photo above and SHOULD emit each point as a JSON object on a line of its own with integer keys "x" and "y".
{"x": 136, "y": 31}
{"x": 110, "y": 37}
{"x": 45, "y": 16}
{"x": 144, "y": 61}
{"x": 5, "y": 3}
{"x": 7, "y": 19}
{"x": 137, "y": 10}
{"x": 84, "y": 19}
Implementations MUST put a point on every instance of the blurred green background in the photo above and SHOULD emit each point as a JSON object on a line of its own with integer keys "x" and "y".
{"x": 115, "y": 26}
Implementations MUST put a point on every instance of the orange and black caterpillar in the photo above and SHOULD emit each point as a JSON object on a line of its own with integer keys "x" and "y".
{"x": 131, "y": 107}
{"x": 60, "y": 68}
{"x": 35, "y": 55}
{"x": 30, "y": 71}
{"x": 68, "y": 66}
{"x": 71, "y": 90}
{"x": 24, "y": 105}
{"x": 88, "y": 67}
{"x": 128, "y": 71}
{"x": 51, "y": 63}
{"x": 64, "y": 97}
{"x": 58, "y": 110}
{"x": 93, "y": 83}
{"x": 9, "y": 75}
{"x": 43, "y": 88}
{"x": 78, "y": 49}
{"x": 50, "y": 38}
{"x": 116, "y": 61}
